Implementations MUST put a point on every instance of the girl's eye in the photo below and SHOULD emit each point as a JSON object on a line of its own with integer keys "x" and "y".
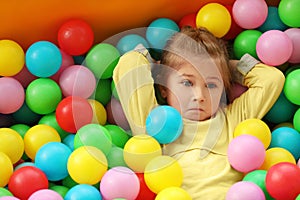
{"x": 187, "y": 83}
{"x": 211, "y": 85}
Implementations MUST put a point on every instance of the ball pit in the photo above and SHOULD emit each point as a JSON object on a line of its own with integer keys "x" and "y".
{"x": 43, "y": 109}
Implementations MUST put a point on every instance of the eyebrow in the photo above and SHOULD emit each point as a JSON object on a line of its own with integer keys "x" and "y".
{"x": 208, "y": 78}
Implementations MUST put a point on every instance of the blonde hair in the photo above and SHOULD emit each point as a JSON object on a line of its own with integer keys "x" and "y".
{"x": 198, "y": 42}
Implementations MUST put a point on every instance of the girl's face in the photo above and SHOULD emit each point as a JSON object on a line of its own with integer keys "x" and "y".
{"x": 195, "y": 93}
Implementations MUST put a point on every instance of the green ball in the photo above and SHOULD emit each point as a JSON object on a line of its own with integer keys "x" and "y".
{"x": 5, "y": 192}
{"x": 116, "y": 157}
{"x": 43, "y": 95}
{"x": 119, "y": 136}
{"x": 60, "y": 189}
{"x": 26, "y": 116}
{"x": 103, "y": 91}
{"x": 296, "y": 120}
{"x": 69, "y": 182}
{"x": 20, "y": 128}
{"x": 102, "y": 59}
{"x": 50, "y": 119}
{"x": 245, "y": 42}
{"x": 289, "y": 14}
{"x": 93, "y": 135}
{"x": 292, "y": 87}
{"x": 258, "y": 177}
{"x": 114, "y": 91}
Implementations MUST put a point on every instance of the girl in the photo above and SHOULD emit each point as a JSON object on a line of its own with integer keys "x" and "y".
{"x": 194, "y": 76}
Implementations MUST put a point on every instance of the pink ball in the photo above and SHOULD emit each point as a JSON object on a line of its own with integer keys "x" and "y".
{"x": 120, "y": 182}
{"x": 9, "y": 198}
{"x": 246, "y": 153}
{"x": 12, "y": 95}
{"x": 294, "y": 35}
{"x": 245, "y": 190}
{"x": 274, "y": 47}
{"x": 67, "y": 61}
{"x": 45, "y": 194}
{"x": 250, "y": 14}
{"x": 77, "y": 80}
{"x": 116, "y": 115}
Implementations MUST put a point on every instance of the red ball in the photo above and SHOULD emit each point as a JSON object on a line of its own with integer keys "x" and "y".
{"x": 75, "y": 37}
{"x": 235, "y": 29}
{"x": 116, "y": 115}
{"x": 27, "y": 180}
{"x": 282, "y": 181}
{"x": 188, "y": 20}
{"x": 73, "y": 112}
{"x": 145, "y": 193}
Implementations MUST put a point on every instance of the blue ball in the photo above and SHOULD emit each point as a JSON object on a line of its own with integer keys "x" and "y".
{"x": 164, "y": 123}
{"x": 159, "y": 31}
{"x": 287, "y": 138}
{"x": 129, "y": 42}
{"x": 43, "y": 59}
{"x": 83, "y": 192}
{"x": 52, "y": 159}
{"x": 69, "y": 141}
{"x": 273, "y": 21}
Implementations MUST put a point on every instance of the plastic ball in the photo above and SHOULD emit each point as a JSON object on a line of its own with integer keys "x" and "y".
{"x": 103, "y": 91}
{"x": 282, "y": 110}
{"x": 276, "y": 155}
{"x": 75, "y": 37}
{"x": 164, "y": 123}
{"x": 11, "y": 143}
{"x": 115, "y": 157}
{"x": 273, "y": 21}
{"x": 93, "y": 135}
{"x": 236, "y": 91}
{"x": 37, "y": 136}
{"x": 139, "y": 150}
{"x": 23, "y": 164}
{"x": 120, "y": 182}
{"x": 287, "y": 138}
{"x": 73, "y": 112}
{"x": 24, "y": 77}
{"x": 87, "y": 165}
{"x": 43, "y": 95}
{"x": 175, "y": 193}
{"x": 45, "y": 194}
{"x": 102, "y": 59}
{"x": 27, "y": 180}
{"x": 188, "y": 20}
{"x": 50, "y": 119}
{"x": 60, "y": 189}
{"x": 115, "y": 114}
{"x": 4, "y": 192}
{"x": 274, "y": 47}
{"x": 52, "y": 159}
{"x": 258, "y": 177}
{"x": 69, "y": 141}
{"x": 289, "y": 12}
{"x": 282, "y": 181}
{"x": 25, "y": 116}
{"x": 214, "y": 17}
{"x": 254, "y": 127}
{"x": 296, "y": 120}
{"x": 43, "y": 59}
{"x": 129, "y": 42}
{"x": 67, "y": 61}
{"x": 294, "y": 35}
{"x": 250, "y": 14}
{"x": 235, "y": 29}
{"x": 245, "y": 42}
{"x": 246, "y": 153}
{"x": 159, "y": 31}
{"x": 162, "y": 172}
{"x": 11, "y": 58}
{"x": 99, "y": 112}
{"x": 291, "y": 86}
{"x": 14, "y": 95}
{"x": 9, "y": 198}
{"x": 83, "y": 191}
{"x": 6, "y": 169}
{"x": 71, "y": 80}
{"x": 245, "y": 190}
{"x": 118, "y": 135}
{"x": 145, "y": 193}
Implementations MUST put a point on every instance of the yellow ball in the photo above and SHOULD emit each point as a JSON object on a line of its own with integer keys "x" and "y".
{"x": 276, "y": 155}
{"x": 163, "y": 172}
{"x": 12, "y": 58}
{"x": 6, "y": 169}
{"x": 139, "y": 150}
{"x": 87, "y": 165}
{"x": 99, "y": 112}
{"x": 254, "y": 127}
{"x": 174, "y": 193}
{"x": 11, "y": 143}
{"x": 215, "y": 18}
{"x": 37, "y": 136}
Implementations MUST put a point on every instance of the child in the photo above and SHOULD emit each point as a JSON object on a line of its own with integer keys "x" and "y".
{"x": 194, "y": 76}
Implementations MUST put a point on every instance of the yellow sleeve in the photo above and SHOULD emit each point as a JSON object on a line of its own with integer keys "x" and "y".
{"x": 264, "y": 84}
{"x": 135, "y": 87}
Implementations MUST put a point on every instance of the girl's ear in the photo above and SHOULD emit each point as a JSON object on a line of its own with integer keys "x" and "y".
{"x": 163, "y": 91}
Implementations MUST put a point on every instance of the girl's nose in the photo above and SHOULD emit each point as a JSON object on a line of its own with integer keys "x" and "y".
{"x": 199, "y": 94}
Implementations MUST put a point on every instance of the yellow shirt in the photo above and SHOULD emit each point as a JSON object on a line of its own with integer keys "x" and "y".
{"x": 201, "y": 149}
